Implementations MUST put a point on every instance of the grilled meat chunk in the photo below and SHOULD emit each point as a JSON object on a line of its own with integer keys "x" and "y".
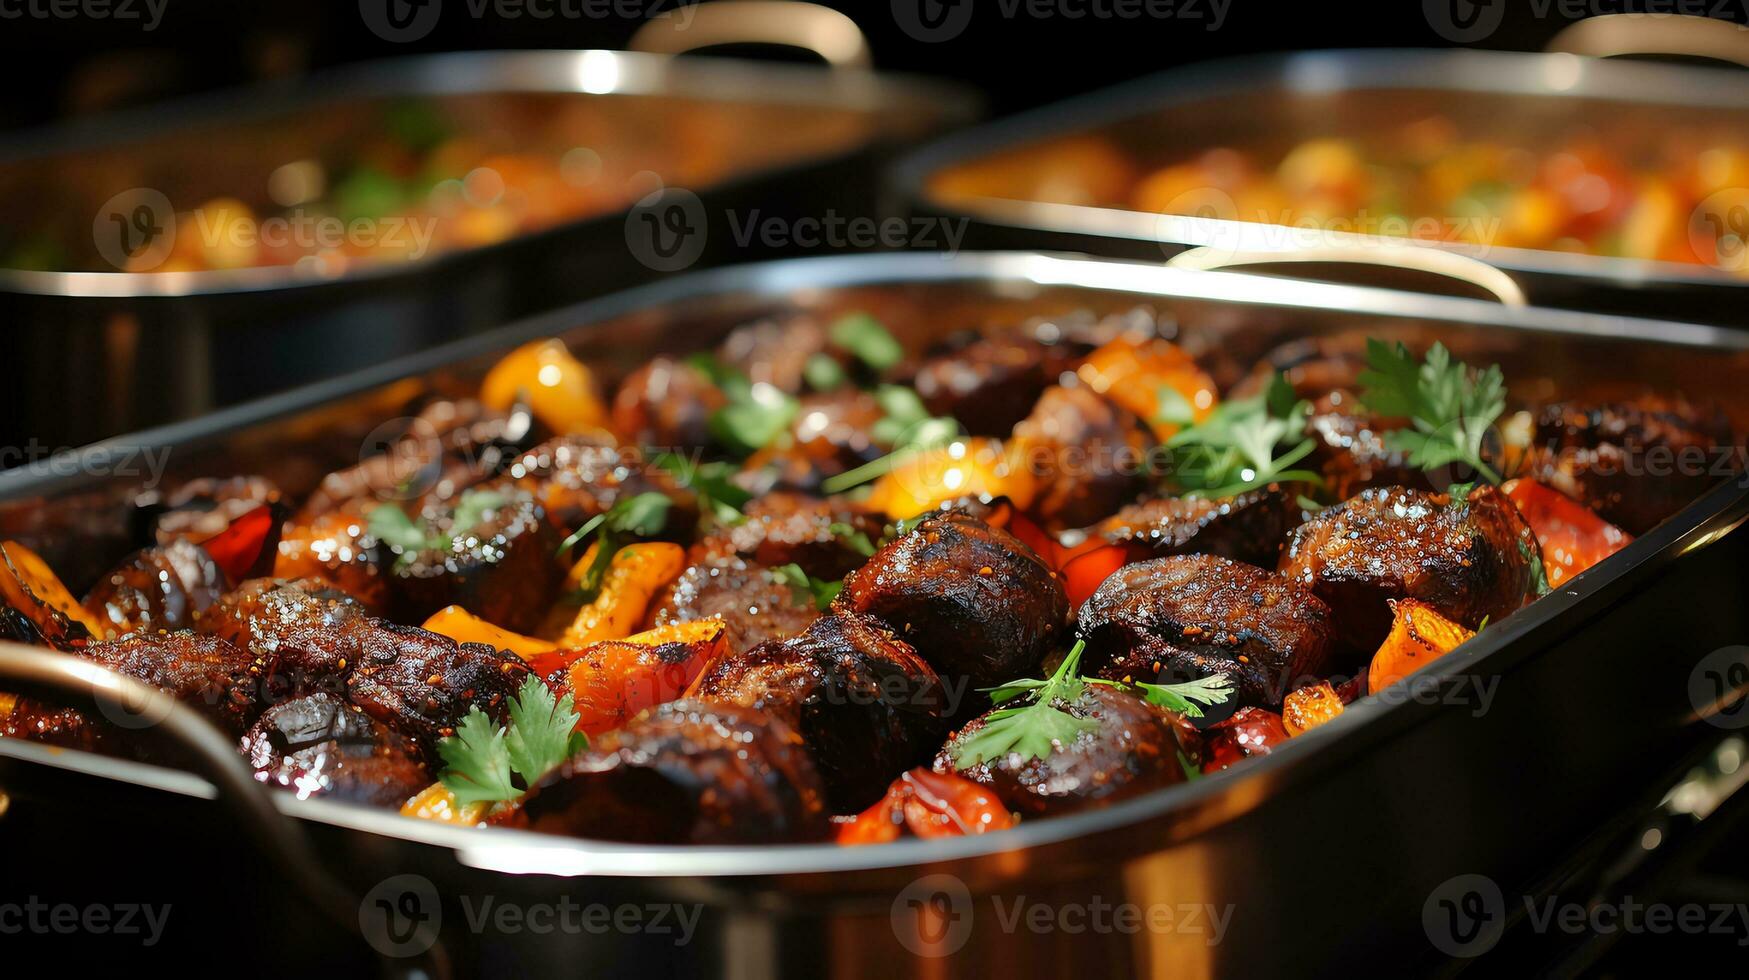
{"x": 1177, "y": 619}
{"x": 1088, "y": 455}
{"x": 577, "y": 477}
{"x": 866, "y": 706}
{"x": 1248, "y": 528}
{"x": 989, "y": 383}
{"x": 685, "y": 773}
{"x": 337, "y": 548}
{"x": 204, "y": 672}
{"x": 775, "y": 352}
{"x": 1131, "y": 749}
{"x": 298, "y": 631}
{"x": 501, "y": 567}
{"x": 667, "y": 403}
{"x": 159, "y": 588}
{"x": 322, "y": 746}
{"x": 831, "y": 435}
{"x": 974, "y": 601}
{"x": 1469, "y": 558}
{"x": 1633, "y": 463}
{"x": 788, "y": 528}
{"x": 422, "y": 684}
{"x": 744, "y": 594}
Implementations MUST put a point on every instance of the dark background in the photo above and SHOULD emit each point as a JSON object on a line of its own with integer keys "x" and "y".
{"x": 61, "y": 66}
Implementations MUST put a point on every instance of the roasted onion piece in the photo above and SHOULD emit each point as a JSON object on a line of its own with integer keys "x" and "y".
{"x": 159, "y": 588}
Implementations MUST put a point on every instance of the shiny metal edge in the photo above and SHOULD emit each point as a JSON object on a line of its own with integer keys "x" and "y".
{"x": 1558, "y": 75}
{"x": 1188, "y": 806}
{"x": 590, "y": 72}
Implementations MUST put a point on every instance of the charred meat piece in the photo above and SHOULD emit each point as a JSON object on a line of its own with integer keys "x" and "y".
{"x": 1090, "y": 456}
{"x": 1633, "y": 463}
{"x": 1132, "y": 749}
{"x": 989, "y": 383}
{"x": 866, "y": 706}
{"x": 685, "y": 773}
{"x": 321, "y": 746}
{"x": 339, "y": 549}
{"x": 1180, "y": 618}
{"x": 1350, "y": 450}
{"x": 204, "y": 672}
{"x": 237, "y": 520}
{"x": 1468, "y": 557}
{"x": 422, "y": 684}
{"x": 743, "y": 594}
{"x": 577, "y": 477}
{"x": 667, "y": 404}
{"x": 775, "y": 352}
{"x": 831, "y": 435}
{"x": 973, "y": 600}
{"x": 158, "y": 588}
{"x": 500, "y": 567}
{"x": 298, "y": 631}
{"x": 820, "y": 536}
{"x": 1247, "y": 528}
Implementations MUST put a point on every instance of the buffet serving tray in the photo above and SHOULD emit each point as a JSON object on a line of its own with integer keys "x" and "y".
{"x": 1522, "y": 758}
{"x": 1272, "y": 102}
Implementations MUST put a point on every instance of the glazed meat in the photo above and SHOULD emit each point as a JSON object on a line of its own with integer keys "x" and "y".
{"x": 322, "y": 746}
{"x": 1468, "y": 558}
{"x": 446, "y": 448}
{"x": 973, "y": 600}
{"x": 775, "y": 352}
{"x": 501, "y": 568}
{"x": 1090, "y": 456}
{"x": 337, "y": 548}
{"x": 159, "y": 588}
{"x": 685, "y": 773}
{"x": 787, "y": 528}
{"x": 1176, "y": 619}
{"x": 1248, "y": 528}
{"x": 989, "y": 383}
{"x": 831, "y": 434}
{"x": 866, "y": 706}
{"x": 744, "y": 594}
{"x": 300, "y": 633}
{"x": 1350, "y": 449}
{"x": 1132, "y": 749}
{"x": 577, "y": 477}
{"x": 422, "y": 684}
{"x": 204, "y": 672}
{"x": 667, "y": 404}
{"x": 1633, "y": 463}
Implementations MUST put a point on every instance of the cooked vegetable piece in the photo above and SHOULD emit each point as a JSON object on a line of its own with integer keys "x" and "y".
{"x": 1154, "y": 379}
{"x": 1309, "y": 707}
{"x": 1572, "y": 537}
{"x": 557, "y": 387}
{"x": 1419, "y": 634}
{"x": 610, "y": 681}
{"x": 636, "y": 573}
{"x": 464, "y": 627}
{"x": 37, "y": 607}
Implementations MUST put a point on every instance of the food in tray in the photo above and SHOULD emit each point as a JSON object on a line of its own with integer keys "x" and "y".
{"x": 1680, "y": 200}
{"x": 819, "y": 584}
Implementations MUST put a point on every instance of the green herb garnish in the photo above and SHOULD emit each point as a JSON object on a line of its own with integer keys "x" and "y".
{"x": 756, "y": 414}
{"x": 1185, "y": 698}
{"x": 1450, "y": 405}
{"x": 851, "y": 536}
{"x": 480, "y": 758}
{"x": 906, "y": 426}
{"x": 390, "y": 524}
{"x": 822, "y": 372}
{"x": 1539, "y": 579}
{"x": 640, "y": 516}
{"x": 806, "y": 587}
{"x": 1033, "y": 730}
{"x": 718, "y": 494}
{"x": 868, "y": 340}
{"x": 1240, "y": 446}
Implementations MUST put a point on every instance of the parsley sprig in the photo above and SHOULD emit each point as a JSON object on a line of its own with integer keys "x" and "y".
{"x": 1243, "y": 444}
{"x": 1034, "y": 729}
{"x": 1186, "y": 698}
{"x": 868, "y": 340}
{"x": 481, "y": 760}
{"x": 806, "y": 587}
{"x": 756, "y": 414}
{"x": 719, "y": 496}
{"x": 630, "y": 517}
{"x": 1450, "y": 405}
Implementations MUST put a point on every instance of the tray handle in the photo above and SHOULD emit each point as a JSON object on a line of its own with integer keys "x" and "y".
{"x": 62, "y": 677}
{"x": 1414, "y": 258}
{"x": 1615, "y": 35}
{"x": 785, "y": 23}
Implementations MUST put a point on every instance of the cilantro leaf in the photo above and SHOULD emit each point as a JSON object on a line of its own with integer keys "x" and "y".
{"x": 1240, "y": 445}
{"x": 1539, "y": 579}
{"x": 856, "y": 539}
{"x": 806, "y": 587}
{"x": 721, "y": 497}
{"x": 640, "y": 516}
{"x": 907, "y": 426}
{"x": 477, "y": 761}
{"x": 1175, "y": 409}
{"x": 541, "y": 734}
{"x": 390, "y": 524}
{"x": 1033, "y": 730}
{"x": 1185, "y": 698}
{"x": 868, "y": 340}
{"x": 822, "y": 372}
{"x": 1450, "y": 406}
{"x": 474, "y": 507}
